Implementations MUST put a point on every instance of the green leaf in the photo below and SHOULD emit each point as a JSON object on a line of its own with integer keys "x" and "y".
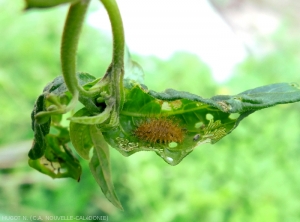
{"x": 49, "y": 153}
{"x": 57, "y": 160}
{"x": 46, "y": 3}
{"x": 264, "y": 96}
{"x": 100, "y": 166}
{"x": 58, "y": 86}
{"x": 55, "y": 93}
{"x": 80, "y": 135}
{"x": 40, "y": 130}
{"x": 147, "y": 118}
{"x": 92, "y": 120}
{"x": 39, "y": 144}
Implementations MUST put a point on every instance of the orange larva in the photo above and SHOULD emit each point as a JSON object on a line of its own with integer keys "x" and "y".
{"x": 159, "y": 130}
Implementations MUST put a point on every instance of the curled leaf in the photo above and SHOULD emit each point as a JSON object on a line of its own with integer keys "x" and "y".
{"x": 55, "y": 93}
{"x": 57, "y": 160}
{"x": 92, "y": 120}
{"x": 173, "y": 123}
{"x": 80, "y": 135}
{"x": 40, "y": 130}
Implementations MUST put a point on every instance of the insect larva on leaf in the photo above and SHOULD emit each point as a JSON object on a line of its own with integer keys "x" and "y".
{"x": 159, "y": 130}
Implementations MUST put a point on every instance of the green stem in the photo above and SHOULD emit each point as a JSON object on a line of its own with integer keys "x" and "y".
{"x": 46, "y": 4}
{"x": 69, "y": 45}
{"x": 115, "y": 73}
{"x": 117, "y": 31}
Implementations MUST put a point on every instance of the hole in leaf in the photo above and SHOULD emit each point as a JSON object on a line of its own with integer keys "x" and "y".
{"x": 173, "y": 144}
{"x": 199, "y": 125}
{"x": 166, "y": 106}
{"x": 176, "y": 104}
{"x": 63, "y": 170}
{"x": 234, "y": 115}
{"x": 209, "y": 116}
{"x": 169, "y": 159}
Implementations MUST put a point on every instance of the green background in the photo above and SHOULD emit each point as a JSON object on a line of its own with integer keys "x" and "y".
{"x": 250, "y": 175}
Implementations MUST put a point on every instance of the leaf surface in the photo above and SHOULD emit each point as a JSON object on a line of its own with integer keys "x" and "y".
{"x": 49, "y": 153}
{"x": 58, "y": 89}
{"x": 57, "y": 161}
{"x": 200, "y": 120}
{"x": 80, "y": 136}
{"x": 100, "y": 166}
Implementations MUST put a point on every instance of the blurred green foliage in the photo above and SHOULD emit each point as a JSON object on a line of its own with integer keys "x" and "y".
{"x": 250, "y": 175}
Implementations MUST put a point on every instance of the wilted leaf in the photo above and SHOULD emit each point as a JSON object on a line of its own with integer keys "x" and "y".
{"x": 41, "y": 128}
{"x": 57, "y": 160}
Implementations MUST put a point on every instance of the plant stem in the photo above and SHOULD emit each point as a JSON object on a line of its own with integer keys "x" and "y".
{"x": 45, "y": 4}
{"x": 117, "y": 30}
{"x": 115, "y": 73}
{"x": 69, "y": 45}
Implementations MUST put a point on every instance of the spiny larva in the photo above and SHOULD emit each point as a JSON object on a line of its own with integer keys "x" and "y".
{"x": 159, "y": 130}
